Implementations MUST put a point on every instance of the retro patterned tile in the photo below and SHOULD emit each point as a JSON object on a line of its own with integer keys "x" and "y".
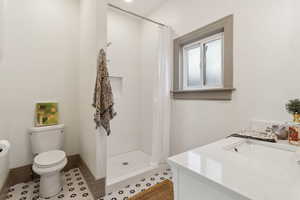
{"x": 74, "y": 188}
{"x": 142, "y": 185}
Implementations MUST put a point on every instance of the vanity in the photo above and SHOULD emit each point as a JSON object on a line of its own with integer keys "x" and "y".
{"x": 237, "y": 169}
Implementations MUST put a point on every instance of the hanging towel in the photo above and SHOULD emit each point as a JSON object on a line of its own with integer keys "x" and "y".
{"x": 103, "y": 97}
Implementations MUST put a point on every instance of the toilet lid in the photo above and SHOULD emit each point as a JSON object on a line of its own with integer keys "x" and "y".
{"x": 49, "y": 159}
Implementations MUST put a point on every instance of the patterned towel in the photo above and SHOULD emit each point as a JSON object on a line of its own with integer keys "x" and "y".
{"x": 103, "y": 97}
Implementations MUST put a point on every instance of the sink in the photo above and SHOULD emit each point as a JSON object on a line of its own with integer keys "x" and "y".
{"x": 262, "y": 152}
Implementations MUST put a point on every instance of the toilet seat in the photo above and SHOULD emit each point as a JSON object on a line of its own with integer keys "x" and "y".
{"x": 49, "y": 159}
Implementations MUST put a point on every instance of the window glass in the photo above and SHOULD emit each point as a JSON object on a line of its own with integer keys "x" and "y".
{"x": 203, "y": 63}
{"x": 213, "y": 63}
{"x": 193, "y": 67}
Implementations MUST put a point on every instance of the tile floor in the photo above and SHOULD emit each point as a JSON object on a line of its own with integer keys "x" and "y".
{"x": 75, "y": 188}
{"x": 136, "y": 187}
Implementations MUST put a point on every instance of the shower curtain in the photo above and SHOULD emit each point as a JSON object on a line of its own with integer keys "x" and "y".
{"x": 162, "y": 99}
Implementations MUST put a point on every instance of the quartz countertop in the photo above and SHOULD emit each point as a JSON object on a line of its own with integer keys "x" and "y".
{"x": 262, "y": 171}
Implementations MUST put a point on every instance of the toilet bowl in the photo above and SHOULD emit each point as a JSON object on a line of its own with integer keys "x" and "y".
{"x": 48, "y": 165}
{"x": 49, "y": 159}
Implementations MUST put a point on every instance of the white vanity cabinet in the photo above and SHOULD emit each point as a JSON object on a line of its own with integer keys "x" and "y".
{"x": 191, "y": 186}
{"x": 237, "y": 169}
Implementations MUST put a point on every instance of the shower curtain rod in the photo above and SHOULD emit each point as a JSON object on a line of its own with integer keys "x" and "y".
{"x": 136, "y": 15}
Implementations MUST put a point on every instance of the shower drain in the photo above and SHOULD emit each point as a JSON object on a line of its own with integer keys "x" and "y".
{"x": 125, "y": 163}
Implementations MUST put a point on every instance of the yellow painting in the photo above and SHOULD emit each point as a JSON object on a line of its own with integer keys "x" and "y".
{"x": 46, "y": 114}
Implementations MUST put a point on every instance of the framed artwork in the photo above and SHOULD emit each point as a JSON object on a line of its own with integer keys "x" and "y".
{"x": 46, "y": 114}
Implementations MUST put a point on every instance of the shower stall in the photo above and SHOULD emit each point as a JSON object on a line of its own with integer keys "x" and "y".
{"x": 139, "y": 75}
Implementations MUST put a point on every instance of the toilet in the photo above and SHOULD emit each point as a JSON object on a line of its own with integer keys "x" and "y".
{"x": 49, "y": 159}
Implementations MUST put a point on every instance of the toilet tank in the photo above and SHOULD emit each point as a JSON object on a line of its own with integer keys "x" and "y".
{"x": 46, "y": 138}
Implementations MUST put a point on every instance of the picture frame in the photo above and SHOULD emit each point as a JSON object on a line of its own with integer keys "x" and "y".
{"x": 46, "y": 114}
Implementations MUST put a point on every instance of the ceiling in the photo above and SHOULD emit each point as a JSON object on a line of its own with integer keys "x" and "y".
{"x": 142, "y": 7}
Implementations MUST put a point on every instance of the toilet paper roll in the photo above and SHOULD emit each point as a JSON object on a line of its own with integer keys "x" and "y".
{"x": 4, "y": 161}
{"x": 4, "y": 147}
{"x": 297, "y": 155}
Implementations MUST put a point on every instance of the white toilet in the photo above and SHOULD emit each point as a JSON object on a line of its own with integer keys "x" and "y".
{"x": 49, "y": 159}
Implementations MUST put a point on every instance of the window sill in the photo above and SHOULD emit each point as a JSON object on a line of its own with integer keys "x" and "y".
{"x": 204, "y": 94}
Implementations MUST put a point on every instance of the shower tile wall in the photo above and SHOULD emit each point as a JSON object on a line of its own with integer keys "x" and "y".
{"x": 124, "y": 33}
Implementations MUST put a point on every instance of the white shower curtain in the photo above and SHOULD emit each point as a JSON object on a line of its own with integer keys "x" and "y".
{"x": 162, "y": 98}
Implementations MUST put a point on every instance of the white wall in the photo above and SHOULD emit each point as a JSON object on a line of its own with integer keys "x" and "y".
{"x": 266, "y": 66}
{"x": 92, "y": 38}
{"x": 38, "y": 63}
{"x": 3, "y": 134}
{"x": 3, "y": 159}
{"x": 124, "y": 32}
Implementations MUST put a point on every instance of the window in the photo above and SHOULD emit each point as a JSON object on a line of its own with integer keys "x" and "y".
{"x": 203, "y": 62}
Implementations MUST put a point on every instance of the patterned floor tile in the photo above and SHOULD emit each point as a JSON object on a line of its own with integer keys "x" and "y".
{"x": 74, "y": 188}
{"x": 142, "y": 185}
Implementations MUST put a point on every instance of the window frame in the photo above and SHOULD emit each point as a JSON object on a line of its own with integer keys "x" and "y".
{"x": 185, "y": 66}
{"x": 225, "y": 26}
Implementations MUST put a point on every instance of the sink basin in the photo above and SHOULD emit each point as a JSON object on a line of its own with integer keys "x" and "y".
{"x": 263, "y": 153}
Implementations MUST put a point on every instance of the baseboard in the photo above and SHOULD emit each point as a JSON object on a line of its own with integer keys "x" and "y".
{"x": 97, "y": 187}
{"x": 20, "y": 175}
{"x": 4, "y": 189}
{"x": 25, "y": 174}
